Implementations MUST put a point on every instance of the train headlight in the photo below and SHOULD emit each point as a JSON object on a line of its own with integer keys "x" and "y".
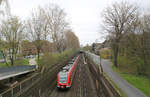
{"x": 67, "y": 83}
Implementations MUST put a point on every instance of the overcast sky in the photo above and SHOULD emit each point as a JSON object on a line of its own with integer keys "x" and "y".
{"x": 84, "y": 15}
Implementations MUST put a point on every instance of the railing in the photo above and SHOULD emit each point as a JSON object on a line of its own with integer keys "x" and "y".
{"x": 37, "y": 85}
{"x": 20, "y": 87}
{"x": 13, "y": 71}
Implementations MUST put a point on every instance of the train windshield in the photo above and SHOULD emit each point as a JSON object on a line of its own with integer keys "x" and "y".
{"x": 63, "y": 77}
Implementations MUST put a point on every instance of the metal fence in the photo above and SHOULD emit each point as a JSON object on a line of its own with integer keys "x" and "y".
{"x": 20, "y": 87}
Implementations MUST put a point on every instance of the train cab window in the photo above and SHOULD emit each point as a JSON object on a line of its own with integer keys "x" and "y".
{"x": 66, "y": 68}
{"x": 69, "y": 65}
{"x": 63, "y": 77}
{"x": 70, "y": 62}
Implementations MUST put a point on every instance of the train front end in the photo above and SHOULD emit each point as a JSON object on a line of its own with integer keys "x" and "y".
{"x": 62, "y": 80}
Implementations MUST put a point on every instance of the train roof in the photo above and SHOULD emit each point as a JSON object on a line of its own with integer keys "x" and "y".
{"x": 66, "y": 69}
{"x": 70, "y": 62}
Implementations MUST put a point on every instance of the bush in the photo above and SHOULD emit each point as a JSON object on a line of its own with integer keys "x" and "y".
{"x": 127, "y": 64}
{"x": 140, "y": 67}
{"x": 143, "y": 68}
{"x": 53, "y": 58}
{"x": 133, "y": 65}
{"x": 105, "y": 53}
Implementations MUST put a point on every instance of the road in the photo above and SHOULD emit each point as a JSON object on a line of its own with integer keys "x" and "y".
{"x": 127, "y": 88}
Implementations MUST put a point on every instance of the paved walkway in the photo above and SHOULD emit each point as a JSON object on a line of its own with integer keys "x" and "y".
{"x": 127, "y": 88}
{"x": 32, "y": 61}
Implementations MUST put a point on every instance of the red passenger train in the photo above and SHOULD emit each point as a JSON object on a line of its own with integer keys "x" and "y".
{"x": 66, "y": 75}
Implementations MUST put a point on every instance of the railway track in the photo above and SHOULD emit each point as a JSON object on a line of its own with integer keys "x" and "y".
{"x": 44, "y": 84}
{"x": 87, "y": 82}
{"x": 83, "y": 84}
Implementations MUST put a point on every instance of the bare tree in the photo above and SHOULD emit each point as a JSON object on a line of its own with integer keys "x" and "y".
{"x": 119, "y": 19}
{"x": 37, "y": 28}
{"x": 3, "y": 49}
{"x": 4, "y": 10}
{"x": 4, "y": 7}
{"x": 143, "y": 44}
{"x": 57, "y": 24}
{"x": 136, "y": 46}
{"x": 44, "y": 21}
{"x": 71, "y": 40}
{"x": 12, "y": 32}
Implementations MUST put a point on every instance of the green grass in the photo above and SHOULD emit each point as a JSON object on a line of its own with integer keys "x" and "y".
{"x": 3, "y": 65}
{"x": 115, "y": 69}
{"x": 17, "y": 62}
{"x": 140, "y": 82}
